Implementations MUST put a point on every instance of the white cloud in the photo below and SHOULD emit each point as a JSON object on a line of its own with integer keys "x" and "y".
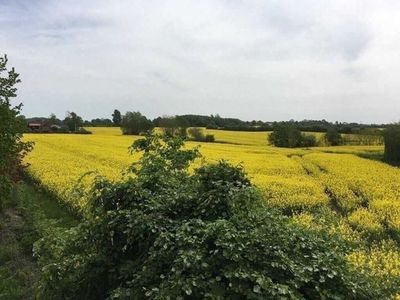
{"x": 269, "y": 60}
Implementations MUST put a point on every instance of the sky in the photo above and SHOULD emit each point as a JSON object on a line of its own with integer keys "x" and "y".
{"x": 255, "y": 60}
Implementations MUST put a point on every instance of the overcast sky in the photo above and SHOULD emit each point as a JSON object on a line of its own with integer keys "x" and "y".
{"x": 268, "y": 60}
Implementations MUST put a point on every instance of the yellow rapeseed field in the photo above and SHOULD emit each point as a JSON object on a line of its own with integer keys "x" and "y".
{"x": 292, "y": 179}
{"x": 363, "y": 193}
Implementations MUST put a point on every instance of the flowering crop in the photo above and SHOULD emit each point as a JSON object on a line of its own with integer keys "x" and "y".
{"x": 364, "y": 194}
{"x": 296, "y": 179}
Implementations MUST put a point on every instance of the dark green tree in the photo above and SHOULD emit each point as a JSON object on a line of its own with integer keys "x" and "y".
{"x": 116, "y": 117}
{"x": 73, "y": 121}
{"x": 53, "y": 120}
{"x": 286, "y": 135}
{"x": 169, "y": 125}
{"x": 135, "y": 123}
{"x": 333, "y": 137}
{"x": 308, "y": 140}
{"x": 183, "y": 124}
{"x": 392, "y": 143}
{"x": 196, "y": 134}
{"x": 12, "y": 125}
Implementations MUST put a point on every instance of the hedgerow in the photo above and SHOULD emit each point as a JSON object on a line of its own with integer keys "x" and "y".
{"x": 165, "y": 232}
{"x": 12, "y": 148}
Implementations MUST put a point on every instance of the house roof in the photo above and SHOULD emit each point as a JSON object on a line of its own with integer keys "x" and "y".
{"x": 35, "y": 124}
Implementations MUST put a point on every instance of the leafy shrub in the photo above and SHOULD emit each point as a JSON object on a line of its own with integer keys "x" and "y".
{"x": 135, "y": 123}
{"x": 289, "y": 136}
{"x": 83, "y": 131}
{"x": 167, "y": 233}
{"x": 116, "y": 117}
{"x": 333, "y": 137}
{"x": 392, "y": 143}
{"x": 12, "y": 148}
{"x": 73, "y": 122}
{"x": 197, "y": 134}
{"x": 285, "y": 135}
{"x": 210, "y": 138}
{"x": 172, "y": 125}
{"x": 308, "y": 140}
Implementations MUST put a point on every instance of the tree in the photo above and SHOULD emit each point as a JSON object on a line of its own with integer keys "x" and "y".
{"x": 289, "y": 136}
{"x": 73, "y": 121}
{"x": 196, "y": 134}
{"x": 308, "y": 140}
{"x": 51, "y": 120}
{"x": 12, "y": 148}
{"x": 392, "y": 143}
{"x": 169, "y": 125}
{"x": 285, "y": 135}
{"x": 182, "y": 124}
{"x": 100, "y": 122}
{"x": 333, "y": 137}
{"x": 135, "y": 123}
{"x": 116, "y": 117}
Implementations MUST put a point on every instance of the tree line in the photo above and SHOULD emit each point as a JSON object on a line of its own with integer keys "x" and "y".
{"x": 284, "y": 134}
{"x": 218, "y": 122}
{"x": 288, "y": 135}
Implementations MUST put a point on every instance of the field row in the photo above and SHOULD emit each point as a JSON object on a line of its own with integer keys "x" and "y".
{"x": 361, "y": 194}
{"x": 365, "y": 191}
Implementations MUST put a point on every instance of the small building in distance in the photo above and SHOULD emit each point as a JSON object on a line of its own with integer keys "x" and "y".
{"x": 35, "y": 127}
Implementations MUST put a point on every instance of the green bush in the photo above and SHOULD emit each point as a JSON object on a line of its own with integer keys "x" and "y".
{"x": 135, "y": 123}
{"x": 196, "y": 134}
{"x": 73, "y": 122}
{"x": 12, "y": 149}
{"x": 308, "y": 140}
{"x": 285, "y": 135}
{"x": 83, "y": 131}
{"x": 392, "y": 143}
{"x": 173, "y": 125}
{"x": 209, "y": 138}
{"x": 289, "y": 136}
{"x": 333, "y": 137}
{"x": 166, "y": 233}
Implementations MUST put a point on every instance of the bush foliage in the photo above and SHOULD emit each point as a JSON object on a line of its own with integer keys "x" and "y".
{"x": 289, "y": 136}
{"x": 392, "y": 143}
{"x": 197, "y": 134}
{"x": 135, "y": 123}
{"x": 73, "y": 122}
{"x": 12, "y": 148}
{"x": 333, "y": 137}
{"x": 167, "y": 233}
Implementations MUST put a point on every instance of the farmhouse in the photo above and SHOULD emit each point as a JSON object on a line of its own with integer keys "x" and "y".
{"x": 35, "y": 126}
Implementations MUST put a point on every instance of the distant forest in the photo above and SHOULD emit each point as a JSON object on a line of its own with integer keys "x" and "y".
{"x": 218, "y": 122}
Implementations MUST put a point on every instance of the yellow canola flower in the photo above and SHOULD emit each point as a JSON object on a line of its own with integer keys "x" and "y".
{"x": 363, "y": 219}
{"x": 381, "y": 260}
{"x": 291, "y": 179}
{"x": 366, "y": 192}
